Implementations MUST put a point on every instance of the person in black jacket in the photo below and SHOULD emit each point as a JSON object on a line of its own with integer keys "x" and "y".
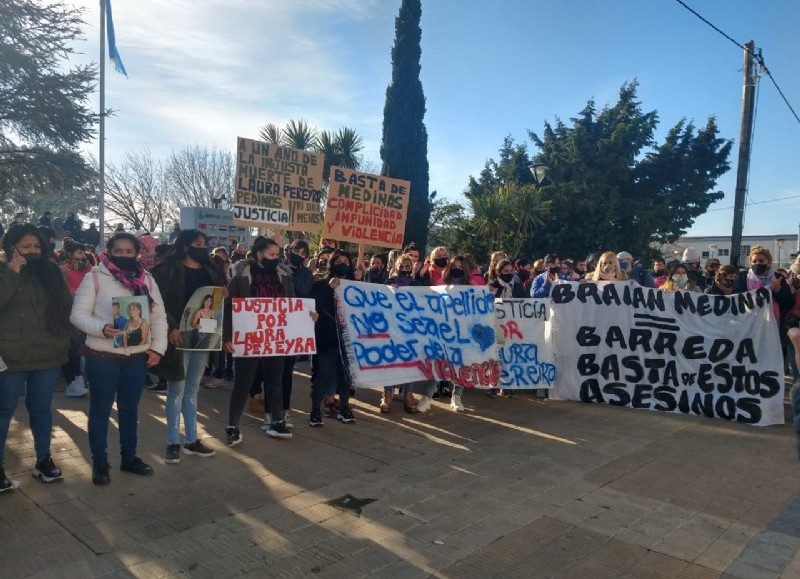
{"x": 328, "y": 375}
{"x": 761, "y": 275}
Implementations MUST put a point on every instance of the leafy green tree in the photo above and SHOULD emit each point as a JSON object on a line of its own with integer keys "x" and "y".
{"x": 44, "y": 107}
{"x": 613, "y": 187}
{"x": 404, "y": 149}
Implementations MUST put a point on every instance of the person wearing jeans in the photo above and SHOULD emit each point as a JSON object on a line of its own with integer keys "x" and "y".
{"x": 186, "y": 268}
{"x": 34, "y": 338}
{"x": 117, "y": 372}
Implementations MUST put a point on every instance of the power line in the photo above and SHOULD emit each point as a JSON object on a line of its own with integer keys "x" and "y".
{"x": 758, "y": 57}
{"x": 682, "y": 3}
{"x": 757, "y": 202}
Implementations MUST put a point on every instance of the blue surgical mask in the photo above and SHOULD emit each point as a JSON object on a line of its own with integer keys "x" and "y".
{"x": 623, "y": 265}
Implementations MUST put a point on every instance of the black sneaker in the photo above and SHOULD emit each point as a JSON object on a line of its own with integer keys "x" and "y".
{"x": 346, "y": 415}
{"x": 315, "y": 419}
{"x": 172, "y": 455}
{"x": 100, "y": 475}
{"x": 46, "y": 470}
{"x": 136, "y": 466}
{"x": 279, "y": 430}
{"x": 198, "y": 448}
{"x": 5, "y": 484}
{"x": 161, "y": 386}
{"x": 234, "y": 437}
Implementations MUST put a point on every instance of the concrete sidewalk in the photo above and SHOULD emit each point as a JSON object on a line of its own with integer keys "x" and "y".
{"x": 511, "y": 488}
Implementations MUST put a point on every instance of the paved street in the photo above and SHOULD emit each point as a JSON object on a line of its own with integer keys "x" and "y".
{"x": 512, "y": 488}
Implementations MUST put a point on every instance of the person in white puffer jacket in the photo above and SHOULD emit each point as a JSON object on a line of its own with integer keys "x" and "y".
{"x": 117, "y": 373}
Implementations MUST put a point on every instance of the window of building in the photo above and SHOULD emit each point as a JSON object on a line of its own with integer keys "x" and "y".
{"x": 724, "y": 252}
{"x": 745, "y": 250}
{"x": 704, "y": 255}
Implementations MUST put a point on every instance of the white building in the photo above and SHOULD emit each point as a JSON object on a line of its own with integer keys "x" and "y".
{"x": 783, "y": 247}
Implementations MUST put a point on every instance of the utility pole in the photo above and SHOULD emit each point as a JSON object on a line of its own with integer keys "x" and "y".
{"x": 743, "y": 166}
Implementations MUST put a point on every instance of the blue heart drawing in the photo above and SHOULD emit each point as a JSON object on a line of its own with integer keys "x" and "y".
{"x": 484, "y": 335}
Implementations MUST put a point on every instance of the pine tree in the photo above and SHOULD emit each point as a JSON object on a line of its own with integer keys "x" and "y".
{"x": 404, "y": 150}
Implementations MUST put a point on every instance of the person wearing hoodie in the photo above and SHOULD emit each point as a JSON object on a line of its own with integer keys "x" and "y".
{"x": 261, "y": 276}
{"x": 34, "y": 338}
{"x": 186, "y": 268}
{"x": 117, "y": 374}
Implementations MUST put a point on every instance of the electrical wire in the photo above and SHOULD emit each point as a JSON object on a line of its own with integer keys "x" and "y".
{"x": 759, "y": 57}
{"x": 756, "y": 202}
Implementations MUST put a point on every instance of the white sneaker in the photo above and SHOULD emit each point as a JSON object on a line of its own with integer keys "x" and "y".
{"x": 76, "y": 388}
{"x": 455, "y": 403}
{"x": 424, "y": 404}
{"x": 267, "y": 422}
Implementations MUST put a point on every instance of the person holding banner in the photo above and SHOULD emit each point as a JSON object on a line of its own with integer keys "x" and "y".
{"x": 117, "y": 374}
{"x": 678, "y": 279}
{"x": 504, "y": 281}
{"x": 328, "y": 376}
{"x": 761, "y": 275}
{"x": 433, "y": 270}
{"x": 260, "y": 276}
{"x": 186, "y": 268}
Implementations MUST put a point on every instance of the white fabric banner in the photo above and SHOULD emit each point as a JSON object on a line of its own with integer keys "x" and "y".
{"x": 272, "y": 327}
{"x": 526, "y": 357}
{"x": 396, "y": 336}
{"x": 621, "y": 344}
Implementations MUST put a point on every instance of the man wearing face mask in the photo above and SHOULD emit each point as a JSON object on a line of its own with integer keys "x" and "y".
{"x": 377, "y": 269}
{"x": 633, "y": 271}
{"x": 659, "y": 272}
{"x": 543, "y": 283}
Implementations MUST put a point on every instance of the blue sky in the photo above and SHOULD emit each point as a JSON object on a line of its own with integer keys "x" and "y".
{"x": 207, "y": 71}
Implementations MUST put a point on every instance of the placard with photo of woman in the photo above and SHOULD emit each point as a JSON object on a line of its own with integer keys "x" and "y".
{"x": 201, "y": 322}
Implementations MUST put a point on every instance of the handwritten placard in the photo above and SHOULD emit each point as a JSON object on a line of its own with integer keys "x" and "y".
{"x": 272, "y": 327}
{"x": 394, "y": 336}
{"x": 708, "y": 355}
{"x": 526, "y": 356}
{"x": 365, "y": 208}
{"x": 277, "y": 187}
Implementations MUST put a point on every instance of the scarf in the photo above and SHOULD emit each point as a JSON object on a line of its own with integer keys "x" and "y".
{"x": 133, "y": 280}
{"x": 755, "y": 281}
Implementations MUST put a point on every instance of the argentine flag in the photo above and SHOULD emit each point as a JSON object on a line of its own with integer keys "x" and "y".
{"x": 113, "y": 54}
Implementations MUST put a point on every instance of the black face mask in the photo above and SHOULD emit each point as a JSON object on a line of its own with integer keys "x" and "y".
{"x": 660, "y": 272}
{"x": 341, "y": 270}
{"x": 295, "y": 260}
{"x": 554, "y": 270}
{"x": 507, "y": 277}
{"x": 199, "y": 254}
{"x": 32, "y": 257}
{"x": 440, "y": 262}
{"x": 404, "y": 273}
{"x": 455, "y": 272}
{"x": 760, "y": 268}
{"x": 270, "y": 264}
{"x": 124, "y": 263}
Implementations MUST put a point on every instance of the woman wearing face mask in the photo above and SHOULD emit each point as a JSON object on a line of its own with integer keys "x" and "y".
{"x": 494, "y": 258}
{"x": 504, "y": 282}
{"x": 678, "y": 279}
{"x": 723, "y": 281}
{"x": 607, "y": 269}
{"x": 259, "y": 277}
{"x": 117, "y": 373}
{"x": 760, "y": 275}
{"x": 433, "y": 270}
{"x": 400, "y": 276}
{"x": 186, "y": 268}
{"x": 34, "y": 338}
{"x": 328, "y": 375}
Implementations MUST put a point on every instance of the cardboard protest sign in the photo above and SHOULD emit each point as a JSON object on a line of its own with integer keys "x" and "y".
{"x": 526, "y": 356}
{"x": 365, "y": 208}
{"x": 201, "y": 322}
{"x": 394, "y": 336}
{"x": 277, "y": 187}
{"x": 708, "y": 355}
{"x": 272, "y": 327}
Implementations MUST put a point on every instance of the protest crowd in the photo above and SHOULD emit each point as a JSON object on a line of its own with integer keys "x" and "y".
{"x": 62, "y": 314}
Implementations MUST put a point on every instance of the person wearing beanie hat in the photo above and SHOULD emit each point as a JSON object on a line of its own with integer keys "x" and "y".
{"x": 634, "y": 271}
{"x": 691, "y": 261}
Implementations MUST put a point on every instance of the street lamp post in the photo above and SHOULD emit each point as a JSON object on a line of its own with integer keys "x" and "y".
{"x": 538, "y": 170}
{"x": 779, "y": 244}
{"x": 712, "y": 251}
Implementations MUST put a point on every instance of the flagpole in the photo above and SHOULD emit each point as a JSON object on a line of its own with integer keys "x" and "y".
{"x": 102, "y": 155}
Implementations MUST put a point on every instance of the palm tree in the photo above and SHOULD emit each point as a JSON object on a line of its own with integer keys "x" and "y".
{"x": 271, "y": 133}
{"x": 300, "y": 135}
{"x": 340, "y": 149}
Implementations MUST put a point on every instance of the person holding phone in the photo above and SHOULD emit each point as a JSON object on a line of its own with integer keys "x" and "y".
{"x": 34, "y": 340}
{"x": 543, "y": 283}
